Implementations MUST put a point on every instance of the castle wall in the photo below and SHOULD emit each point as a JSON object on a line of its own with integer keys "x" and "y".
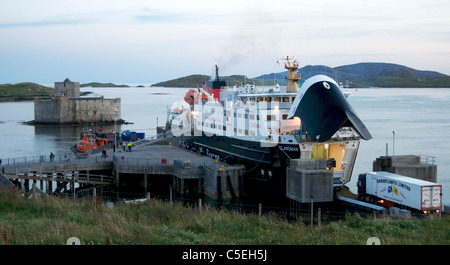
{"x": 47, "y": 110}
{"x": 65, "y": 110}
{"x": 95, "y": 110}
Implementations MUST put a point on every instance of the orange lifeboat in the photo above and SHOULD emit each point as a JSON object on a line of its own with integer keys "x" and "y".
{"x": 89, "y": 142}
{"x": 191, "y": 97}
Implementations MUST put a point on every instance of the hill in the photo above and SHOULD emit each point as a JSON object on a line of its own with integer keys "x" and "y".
{"x": 370, "y": 75}
{"x": 358, "y": 75}
{"x": 23, "y": 91}
{"x": 197, "y": 80}
{"x": 97, "y": 84}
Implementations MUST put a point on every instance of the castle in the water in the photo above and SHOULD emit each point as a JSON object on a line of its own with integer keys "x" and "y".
{"x": 67, "y": 107}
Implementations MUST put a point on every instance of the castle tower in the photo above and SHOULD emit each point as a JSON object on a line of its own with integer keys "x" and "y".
{"x": 291, "y": 77}
{"x": 67, "y": 88}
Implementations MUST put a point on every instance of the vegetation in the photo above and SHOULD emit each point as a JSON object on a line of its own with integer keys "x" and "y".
{"x": 23, "y": 91}
{"x": 359, "y": 75}
{"x": 53, "y": 221}
{"x": 97, "y": 84}
{"x": 197, "y": 80}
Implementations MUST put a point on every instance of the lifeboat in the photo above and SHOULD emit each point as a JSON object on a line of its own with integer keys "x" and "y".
{"x": 89, "y": 142}
{"x": 191, "y": 97}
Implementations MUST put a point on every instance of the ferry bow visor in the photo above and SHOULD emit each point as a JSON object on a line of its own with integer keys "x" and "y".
{"x": 323, "y": 109}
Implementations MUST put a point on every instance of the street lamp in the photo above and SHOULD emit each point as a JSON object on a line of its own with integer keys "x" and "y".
{"x": 393, "y": 143}
{"x": 116, "y": 113}
{"x": 317, "y": 153}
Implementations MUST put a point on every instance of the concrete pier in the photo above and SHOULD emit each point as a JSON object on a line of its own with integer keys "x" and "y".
{"x": 146, "y": 167}
{"x": 308, "y": 180}
{"x": 420, "y": 167}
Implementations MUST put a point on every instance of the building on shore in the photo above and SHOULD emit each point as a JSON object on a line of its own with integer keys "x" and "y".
{"x": 66, "y": 106}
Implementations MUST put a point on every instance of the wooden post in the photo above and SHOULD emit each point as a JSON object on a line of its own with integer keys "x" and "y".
{"x": 260, "y": 210}
{"x": 312, "y": 212}
{"x": 34, "y": 190}
{"x": 22, "y": 185}
{"x": 319, "y": 216}
{"x": 200, "y": 206}
{"x": 72, "y": 187}
{"x": 170, "y": 194}
{"x": 148, "y": 196}
{"x": 48, "y": 186}
{"x": 94, "y": 194}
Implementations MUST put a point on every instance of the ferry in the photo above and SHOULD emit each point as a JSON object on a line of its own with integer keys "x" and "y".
{"x": 263, "y": 128}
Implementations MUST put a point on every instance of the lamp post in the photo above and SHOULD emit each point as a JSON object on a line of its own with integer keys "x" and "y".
{"x": 116, "y": 113}
{"x": 317, "y": 152}
{"x": 393, "y": 143}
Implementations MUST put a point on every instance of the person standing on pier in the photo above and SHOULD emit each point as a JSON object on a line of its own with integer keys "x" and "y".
{"x": 52, "y": 156}
{"x": 129, "y": 146}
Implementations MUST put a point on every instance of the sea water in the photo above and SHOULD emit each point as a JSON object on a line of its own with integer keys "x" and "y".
{"x": 411, "y": 121}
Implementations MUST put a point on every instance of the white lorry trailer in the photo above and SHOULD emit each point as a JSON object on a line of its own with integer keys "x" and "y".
{"x": 388, "y": 190}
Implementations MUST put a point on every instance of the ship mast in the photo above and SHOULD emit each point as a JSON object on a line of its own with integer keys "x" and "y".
{"x": 217, "y": 73}
{"x": 292, "y": 78}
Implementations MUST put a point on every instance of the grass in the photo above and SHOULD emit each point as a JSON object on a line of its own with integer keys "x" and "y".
{"x": 22, "y": 91}
{"x": 51, "y": 221}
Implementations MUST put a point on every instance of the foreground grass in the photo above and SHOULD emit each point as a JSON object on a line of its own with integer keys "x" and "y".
{"x": 53, "y": 221}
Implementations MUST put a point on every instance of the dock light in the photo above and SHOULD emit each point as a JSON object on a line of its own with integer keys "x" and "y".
{"x": 393, "y": 143}
{"x": 116, "y": 113}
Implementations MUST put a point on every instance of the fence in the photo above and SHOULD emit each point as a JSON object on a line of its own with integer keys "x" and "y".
{"x": 427, "y": 159}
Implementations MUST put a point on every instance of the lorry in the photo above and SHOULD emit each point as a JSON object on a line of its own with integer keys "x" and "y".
{"x": 389, "y": 190}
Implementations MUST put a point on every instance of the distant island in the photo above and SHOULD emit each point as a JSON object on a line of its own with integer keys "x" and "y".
{"x": 23, "y": 91}
{"x": 361, "y": 75}
{"x": 97, "y": 84}
{"x": 197, "y": 80}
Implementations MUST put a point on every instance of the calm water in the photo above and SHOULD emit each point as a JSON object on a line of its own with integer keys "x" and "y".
{"x": 419, "y": 117}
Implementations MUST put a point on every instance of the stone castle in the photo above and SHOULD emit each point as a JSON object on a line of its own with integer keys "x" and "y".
{"x": 67, "y": 107}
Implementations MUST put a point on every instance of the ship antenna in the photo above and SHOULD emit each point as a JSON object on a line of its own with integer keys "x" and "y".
{"x": 217, "y": 73}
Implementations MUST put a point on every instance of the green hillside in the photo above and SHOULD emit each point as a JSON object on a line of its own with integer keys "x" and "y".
{"x": 197, "y": 80}
{"x": 369, "y": 75}
{"x": 23, "y": 91}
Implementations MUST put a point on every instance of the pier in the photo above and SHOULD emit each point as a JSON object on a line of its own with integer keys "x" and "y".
{"x": 150, "y": 166}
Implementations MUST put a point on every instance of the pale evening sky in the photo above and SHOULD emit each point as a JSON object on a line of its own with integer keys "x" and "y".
{"x": 134, "y": 41}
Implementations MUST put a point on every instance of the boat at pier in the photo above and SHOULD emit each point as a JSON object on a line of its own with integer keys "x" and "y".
{"x": 263, "y": 128}
{"x": 89, "y": 142}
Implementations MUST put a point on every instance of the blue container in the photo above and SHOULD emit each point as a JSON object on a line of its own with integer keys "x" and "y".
{"x": 132, "y": 136}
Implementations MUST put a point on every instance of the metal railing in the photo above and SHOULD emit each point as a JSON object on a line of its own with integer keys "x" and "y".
{"x": 40, "y": 160}
{"x": 427, "y": 159}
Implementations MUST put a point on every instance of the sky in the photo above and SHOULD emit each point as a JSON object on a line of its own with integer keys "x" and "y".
{"x": 138, "y": 41}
